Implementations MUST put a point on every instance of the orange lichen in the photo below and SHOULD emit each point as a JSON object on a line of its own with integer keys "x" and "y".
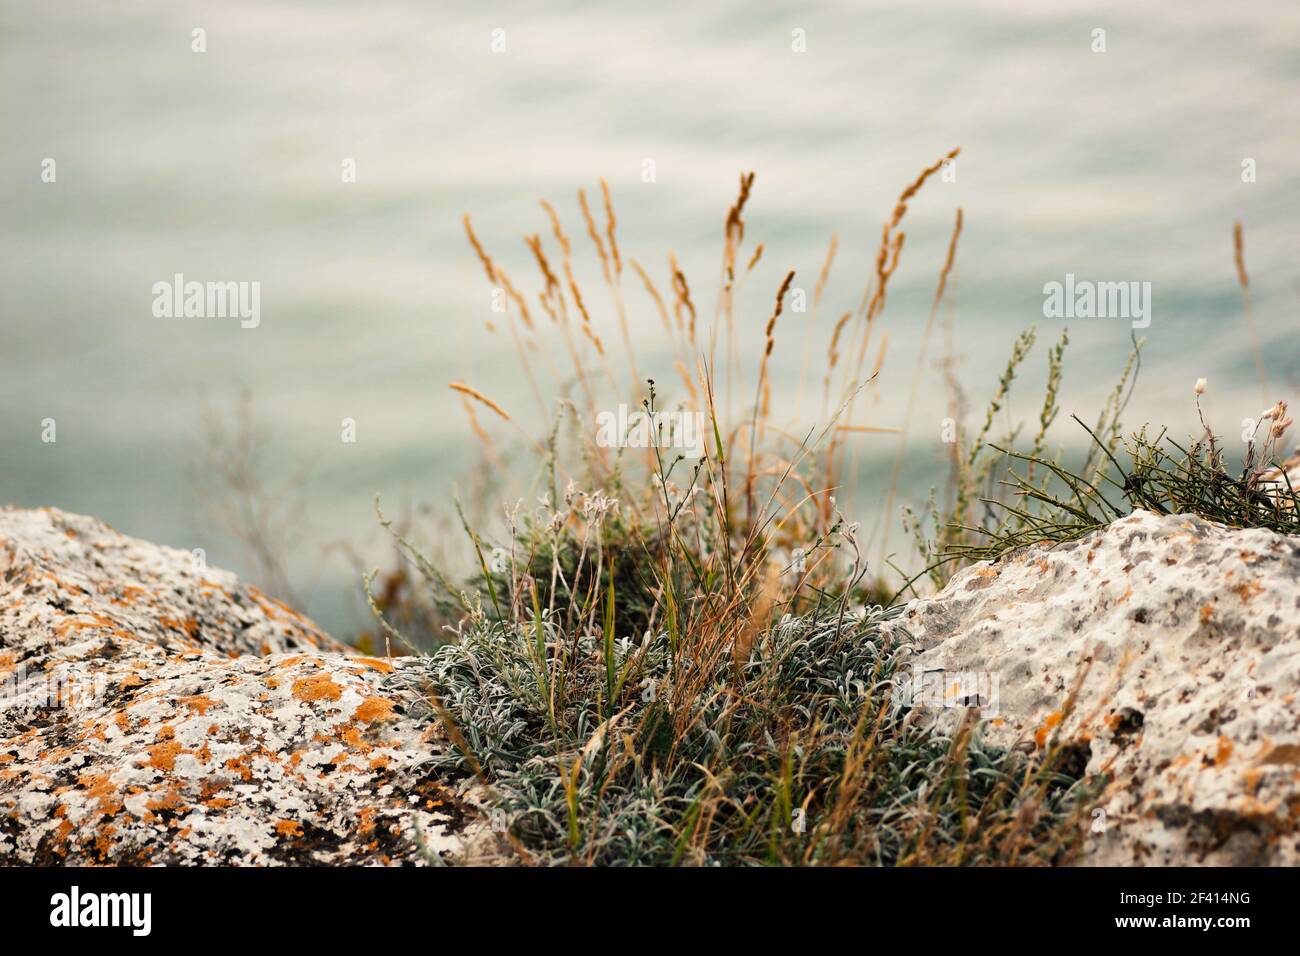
{"x": 288, "y": 828}
{"x": 316, "y": 687}
{"x": 1282, "y": 754}
{"x": 1251, "y": 779}
{"x": 1248, "y": 590}
{"x": 163, "y": 756}
{"x": 104, "y": 839}
{"x": 101, "y": 789}
{"x": 242, "y": 765}
{"x": 374, "y": 708}
{"x": 1053, "y": 719}
{"x": 366, "y": 819}
{"x": 200, "y": 703}
{"x": 275, "y": 610}
{"x": 93, "y": 620}
{"x": 351, "y": 735}
{"x": 171, "y": 800}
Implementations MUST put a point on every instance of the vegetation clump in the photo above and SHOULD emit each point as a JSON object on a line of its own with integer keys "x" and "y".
{"x": 690, "y": 660}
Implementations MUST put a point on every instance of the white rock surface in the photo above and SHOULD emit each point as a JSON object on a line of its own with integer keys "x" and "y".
{"x": 153, "y": 710}
{"x": 1190, "y": 636}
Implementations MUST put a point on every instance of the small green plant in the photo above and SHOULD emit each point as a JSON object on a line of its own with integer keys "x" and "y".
{"x": 1155, "y": 474}
{"x": 1006, "y": 499}
{"x": 988, "y": 505}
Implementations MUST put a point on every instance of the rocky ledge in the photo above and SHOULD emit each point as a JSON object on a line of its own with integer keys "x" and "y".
{"x": 155, "y": 710}
{"x": 1180, "y": 641}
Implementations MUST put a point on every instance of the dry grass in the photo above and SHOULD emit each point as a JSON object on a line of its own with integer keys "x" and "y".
{"x": 670, "y": 657}
{"x": 1239, "y": 261}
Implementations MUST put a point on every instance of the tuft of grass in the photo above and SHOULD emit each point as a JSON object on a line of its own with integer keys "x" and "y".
{"x": 683, "y": 662}
{"x": 628, "y": 752}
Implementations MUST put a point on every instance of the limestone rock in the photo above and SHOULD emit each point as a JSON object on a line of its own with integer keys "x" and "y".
{"x": 154, "y": 710}
{"x": 1189, "y": 633}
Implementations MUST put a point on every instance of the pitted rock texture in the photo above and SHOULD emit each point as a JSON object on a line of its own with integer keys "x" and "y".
{"x": 1190, "y": 634}
{"x": 153, "y": 710}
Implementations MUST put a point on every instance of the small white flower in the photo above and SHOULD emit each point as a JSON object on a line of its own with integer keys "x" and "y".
{"x": 1200, "y": 386}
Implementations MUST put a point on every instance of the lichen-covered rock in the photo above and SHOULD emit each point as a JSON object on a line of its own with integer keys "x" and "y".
{"x": 154, "y": 710}
{"x": 1186, "y": 636}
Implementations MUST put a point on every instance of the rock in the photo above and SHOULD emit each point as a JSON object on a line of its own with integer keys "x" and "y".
{"x": 154, "y": 710}
{"x": 1186, "y": 636}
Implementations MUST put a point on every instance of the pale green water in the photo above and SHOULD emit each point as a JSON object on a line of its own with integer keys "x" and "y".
{"x": 226, "y": 165}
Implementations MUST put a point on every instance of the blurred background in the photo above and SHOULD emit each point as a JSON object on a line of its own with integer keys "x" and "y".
{"x": 226, "y": 165}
